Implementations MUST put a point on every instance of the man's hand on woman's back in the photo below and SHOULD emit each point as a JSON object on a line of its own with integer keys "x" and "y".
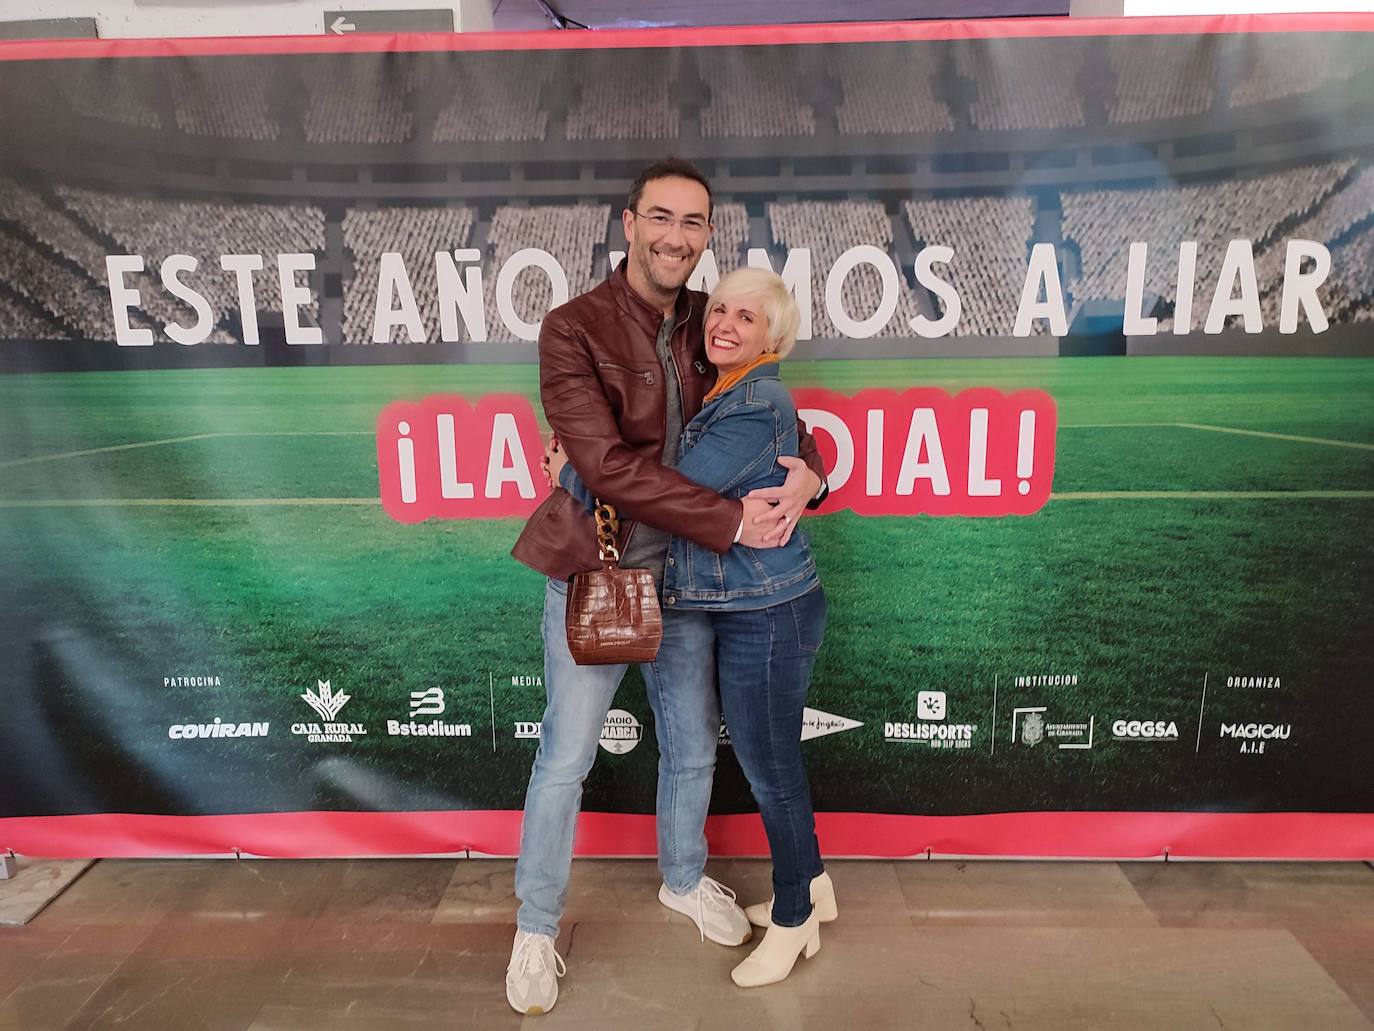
{"x": 785, "y": 505}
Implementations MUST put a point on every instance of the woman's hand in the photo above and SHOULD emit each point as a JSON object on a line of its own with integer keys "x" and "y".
{"x": 555, "y": 458}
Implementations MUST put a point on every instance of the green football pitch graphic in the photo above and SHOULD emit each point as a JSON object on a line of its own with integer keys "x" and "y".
{"x": 1211, "y": 518}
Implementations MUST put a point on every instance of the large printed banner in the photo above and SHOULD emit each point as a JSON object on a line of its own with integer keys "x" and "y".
{"x": 1085, "y": 345}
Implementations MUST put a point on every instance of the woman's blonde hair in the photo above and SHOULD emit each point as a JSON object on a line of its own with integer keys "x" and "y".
{"x": 774, "y": 301}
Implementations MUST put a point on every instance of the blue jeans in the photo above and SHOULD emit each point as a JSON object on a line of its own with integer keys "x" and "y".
{"x": 764, "y": 659}
{"x": 681, "y": 684}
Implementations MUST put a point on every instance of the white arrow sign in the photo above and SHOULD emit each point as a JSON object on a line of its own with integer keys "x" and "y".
{"x": 818, "y": 724}
{"x": 340, "y": 25}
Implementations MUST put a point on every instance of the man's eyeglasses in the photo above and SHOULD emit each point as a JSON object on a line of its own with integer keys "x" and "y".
{"x": 691, "y": 225}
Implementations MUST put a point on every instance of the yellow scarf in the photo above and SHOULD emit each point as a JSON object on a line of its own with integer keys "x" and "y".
{"x": 731, "y": 378}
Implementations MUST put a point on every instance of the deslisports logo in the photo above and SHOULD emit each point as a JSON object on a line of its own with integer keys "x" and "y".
{"x": 929, "y": 728}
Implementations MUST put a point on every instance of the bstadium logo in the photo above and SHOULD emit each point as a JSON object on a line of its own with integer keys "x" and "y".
{"x": 327, "y": 704}
{"x": 217, "y": 729}
{"x": 621, "y": 732}
{"x": 931, "y": 709}
{"x": 1030, "y": 727}
{"x": 429, "y": 702}
{"x": 815, "y": 723}
{"x": 1144, "y": 730}
{"x": 1253, "y": 737}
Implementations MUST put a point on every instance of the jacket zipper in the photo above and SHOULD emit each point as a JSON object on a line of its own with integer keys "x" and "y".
{"x": 649, "y": 379}
{"x": 647, "y": 376}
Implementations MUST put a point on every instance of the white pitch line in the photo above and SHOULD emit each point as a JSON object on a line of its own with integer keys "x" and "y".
{"x": 10, "y": 463}
{"x": 102, "y": 450}
{"x": 1086, "y": 495}
{"x": 1211, "y": 495}
{"x": 1277, "y": 436}
{"x": 1296, "y": 438}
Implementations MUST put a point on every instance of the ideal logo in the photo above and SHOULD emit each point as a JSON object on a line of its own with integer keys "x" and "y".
{"x": 326, "y": 703}
{"x": 429, "y": 702}
{"x": 527, "y": 731}
{"x": 1145, "y": 730}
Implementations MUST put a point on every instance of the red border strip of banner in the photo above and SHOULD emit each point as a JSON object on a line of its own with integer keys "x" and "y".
{"x": 1122, "y": 835}
{"x": 1081, "y": 835}
{"x": 752, "y": 35}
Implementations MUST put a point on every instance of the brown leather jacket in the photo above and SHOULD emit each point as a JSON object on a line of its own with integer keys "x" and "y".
{"x": 602, "y": 388}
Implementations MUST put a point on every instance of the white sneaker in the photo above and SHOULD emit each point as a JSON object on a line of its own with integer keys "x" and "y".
{"x": 533, "y": 973}
{"x": 711, "y": 906}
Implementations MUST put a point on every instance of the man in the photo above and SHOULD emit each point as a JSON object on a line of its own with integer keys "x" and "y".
{"x": 621, "y": 370}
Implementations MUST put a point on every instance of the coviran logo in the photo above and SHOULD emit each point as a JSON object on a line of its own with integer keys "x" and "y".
{"x": 328, "y": 704}
{"x": 621, "y": 732}
{"x": 193, "y": 731}
{"x": 1145, "y": 730}
{"x": 1254, "y": 736}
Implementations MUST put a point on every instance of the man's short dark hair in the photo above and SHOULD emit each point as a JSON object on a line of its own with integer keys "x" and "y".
{"x": 670, "y": 168}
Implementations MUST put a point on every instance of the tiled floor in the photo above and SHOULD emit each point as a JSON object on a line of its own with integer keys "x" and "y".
{"x": 400, "y": 943}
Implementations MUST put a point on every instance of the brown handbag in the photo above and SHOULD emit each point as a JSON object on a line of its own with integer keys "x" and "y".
{"x": 612, "y": 614}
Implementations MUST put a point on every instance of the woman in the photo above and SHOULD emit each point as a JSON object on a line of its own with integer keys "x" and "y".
{"x": 766, "y": 605}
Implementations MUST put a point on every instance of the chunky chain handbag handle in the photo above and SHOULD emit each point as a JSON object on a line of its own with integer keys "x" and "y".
{"x": 607, "y": 526}
{"x": 612, "y": 614}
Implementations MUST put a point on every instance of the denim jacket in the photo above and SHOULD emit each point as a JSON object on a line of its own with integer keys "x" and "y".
{"x": 732, "y": 446}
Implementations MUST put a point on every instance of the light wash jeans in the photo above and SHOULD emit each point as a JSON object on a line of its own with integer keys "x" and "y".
{"x": 681, "y": 684}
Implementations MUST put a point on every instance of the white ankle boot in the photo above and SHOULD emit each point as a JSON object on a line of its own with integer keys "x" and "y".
{"x": 773, "y": 960}
{"x": 822, "y": 898}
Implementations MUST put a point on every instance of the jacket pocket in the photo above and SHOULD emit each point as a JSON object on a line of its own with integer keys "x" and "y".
{"x": 636, "y": 402}
{"x": 647, "y": 375}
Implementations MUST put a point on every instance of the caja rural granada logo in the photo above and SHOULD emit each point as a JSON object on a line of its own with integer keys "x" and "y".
{"x": 980, "y": 452}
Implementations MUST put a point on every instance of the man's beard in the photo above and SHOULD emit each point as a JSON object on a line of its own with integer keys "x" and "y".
{"x": 646, "y": 265}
